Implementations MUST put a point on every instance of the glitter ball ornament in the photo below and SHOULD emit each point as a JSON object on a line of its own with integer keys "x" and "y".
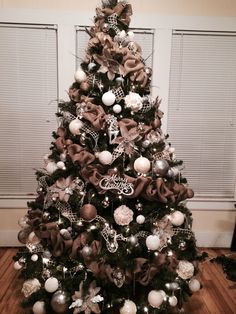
{"x": 153, "y": 242}
{"x": 60, "y": 301}
{"x": 51, "y": 284}
{"x": 123, "y": 215}
{"x": 51, "y": 167}
{"x": 129, "y": 307}
{"x": 142, "y": 165}
{"x": 140, "y": 219}
{"x": 105, "y": 157}
{"x": 75, "y": 126}
{"x": 61, "y": 165}
{"x": 23, "y": 222}
{"x": 185, "y": 269}
{"x": 177, "y": 218}
{"x": 155, "y": 298}
{"x": 80, "y": 76}
{"x": 117, "y": 108}
{"x": 160, "y": 167}
{"x": 173, "y": 300}
{"x": 194, "y": 285}
{"x": 39, "y": 307}
{"x": 88, "y": 212}
{"x": 108, "y": 98}
{"x": 86, "y": 251}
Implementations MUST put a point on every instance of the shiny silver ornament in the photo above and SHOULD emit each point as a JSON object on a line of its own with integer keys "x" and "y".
{"x": 119, "y": 80}
{"x": 105, "y": 27}
{"x": 118, "y": 276}
{"x": 91, "y": 66}
{"x": 133, "y": 240}
{"x": 60, "y": 301}
{"x": 87, "y": 251}
{"x": 146, "y": 143}
{"x": 160, "y": 167}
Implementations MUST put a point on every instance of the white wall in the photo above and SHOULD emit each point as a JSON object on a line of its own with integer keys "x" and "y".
{"x": 213, "y": 220}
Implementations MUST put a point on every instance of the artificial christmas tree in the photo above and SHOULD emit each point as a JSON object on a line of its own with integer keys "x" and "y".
{"x": 109, "y": 231}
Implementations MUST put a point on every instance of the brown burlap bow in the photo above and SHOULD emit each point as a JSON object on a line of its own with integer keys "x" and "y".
{"x": 123, "y": 11}
{"x": 79, "y": 155}
{"x": 95, "y": 115}
{"x": 61, "y": 143}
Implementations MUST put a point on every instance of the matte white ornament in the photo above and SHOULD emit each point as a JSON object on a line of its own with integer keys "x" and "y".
{"x": 34, "y": 257}
{"x": 142, "y": 165}
{"x": 61, "y": 165}
{"x": 194, "y": 285}
{"x": 51, "y": 167}
{"x": 153, "y": 242}
{"x": 51, "y": 284}
{"x": 155, "y": 298}
{"x": 75, "y": 126}
{"x": 105, "y": 157}
{"x": 117, "y": 108}
{"x": 80, "y": 76}
{"x": 177, "y": 218}
{"x": 140, "y": 219}
{"x": 129, "y": 307}
{"x": 173, "y": 300}
{"x": 108, "y": 98}
{"x": 17, "y": 265}
{"x": 39, "y": 307}
{"x": 122, "y": 34}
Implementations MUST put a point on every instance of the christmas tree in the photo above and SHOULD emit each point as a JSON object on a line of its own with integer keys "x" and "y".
{"x": 109, "y": 230}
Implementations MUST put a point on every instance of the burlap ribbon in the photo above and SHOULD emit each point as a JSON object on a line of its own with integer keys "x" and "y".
{"x": 80, "y": 156}
{"x": 95, "y": 115}
{"x": 122, "y": 9}
{"x": 61, "y": 143}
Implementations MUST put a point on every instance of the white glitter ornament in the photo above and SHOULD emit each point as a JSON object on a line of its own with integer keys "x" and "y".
{"x": 128, "y": 308}
{"x": 75, "y": 126}
{"x": 80, "y": 76}
{"x": 194, "y": 285}
{"x": 177, "y": 218}
{"x": 34, "y": 257}
{"x": 173, "y": 300}
{"x": 39, "y": 307}
{"x": 61, "y": 165}
{"x": 51, "y": 284}
{"x": 153, "y": 242}
{"x": 155, "y": 298}
{"x": 185, "y": 269}
{"x": 140, "y": 219}
{"x": 142, "y": 165}
{"x": 105, "y": 157}
{"x": 117, "y": 108}
{"x": 51, "y": 167}
{"x": 123, "y": 215}
{"x": 108, "y": 98}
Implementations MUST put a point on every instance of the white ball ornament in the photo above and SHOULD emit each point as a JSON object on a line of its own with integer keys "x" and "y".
{"x": 34, "y": 257}
{"x": 105, "y": 157}
{"x": 63, "y": 157}
{"x": 153, "y": 242}
{"x": 142, "y": 165}
{"x": 117, "y": 108}
{"x": 39, "y": 307}
{"x": 194, "y": 285}
{"x": 140, "y": 219}
{"x": 75, "y": 126}
{"x": 173, "y": 300}
{"x": 61, "y": 165}
{"x": 128, "y": 308}
{"x": 108, "y": 98}
{"x": 177, "y": 218}
{"x": 91, "y": 66}
{"x": 51, "y": 167}
{"x": 17, "y": 265}
{"x": 155, "y": 298}
{"x": 80, "y": 76}
{"x": 51, "y": 284}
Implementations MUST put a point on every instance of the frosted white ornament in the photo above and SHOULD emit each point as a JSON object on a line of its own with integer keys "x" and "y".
{"x": 80, "y": 76}
{"x": 129, "y": 307}
{"x": 17, "y": 265}
{"x": 194, "y": 285}
{"x": 108, "y": 98}
{"x": 63, "y": 157}
{"x": 39, "y": 307}
{"x": 177, "y": 218}
{"x": 155, "y": 298}
{"x": 153, "y": 242}
{"x": 51, "y": 167}
{"x": 51, "y": 284}
{"x": 105, "y": 157}
{"x": 34, "y": 257}
{"x": 117, "y": 108}
{"x": 142, "y": 165}
{"x": 173, "y": 300}
{"x": 140, "y": 219}
{"x": 61, "y": 165}
{"x": 75, "y": 126}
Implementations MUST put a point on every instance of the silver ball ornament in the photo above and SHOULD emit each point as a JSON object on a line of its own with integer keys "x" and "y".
{"x": 39, "y": 307}
{"x": 80, "y": 76}
{"x": 146, "y": 143}
{"x": 120, "y": 80}
{"x": 87, "y": 251}
{"x": 60, "y": 301}
{"x": 91, "y": 66}
{"x": 133, "y": 240}
{"x": 173, "y": 300}
{"x": 160, "y": 167}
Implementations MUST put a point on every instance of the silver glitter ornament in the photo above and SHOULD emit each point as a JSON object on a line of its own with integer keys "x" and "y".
{"x": 160, "y": 167}
{"x": 60, "y": 301}
{"x": 133, "y": 240}
{"x": 145, "y": 143}
{"x": 87, "y": 251}
{"x": 119, "y": 80}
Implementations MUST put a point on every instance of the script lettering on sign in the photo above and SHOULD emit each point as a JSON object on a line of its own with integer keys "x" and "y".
{"x": 117, "y": 183}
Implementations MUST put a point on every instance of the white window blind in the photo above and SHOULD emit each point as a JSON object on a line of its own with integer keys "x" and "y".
{"x": 202, "y": 110}
{"x": 28, "y": 90}
{"x": 144, "y": 37}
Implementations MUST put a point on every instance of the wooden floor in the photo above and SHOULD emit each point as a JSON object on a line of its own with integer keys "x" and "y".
{"x": 217, "y": 297}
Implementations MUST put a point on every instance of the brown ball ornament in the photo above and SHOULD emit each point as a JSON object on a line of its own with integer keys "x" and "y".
{"x": 156, "y": 123}
{"x": 88, "y": 212}
{"x": 84, "y": 86}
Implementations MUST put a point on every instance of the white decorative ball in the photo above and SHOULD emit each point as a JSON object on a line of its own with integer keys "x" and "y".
{"x": 123, "y": 215}
{"x": 171, "y": 150}
{"x": 108, "y": 98}
{"x": 105, "y": 157}
{"x": 153, "y": 242}
{"x": 34, "y": 257}
{"x": 51, "y": 167}
{"x": 51, "y": 284}
{"x": 33, "y": 239}
{"x": 128, "y": 308}
{"x": 130, "y": 34}
{"x": 91, "y": 66}
{"x": 75, "y": 126}
{"x": 63, "y": 157}
{"x": 155, "y": 298}
{"x": 142, "y": 165}
{"x": 140, "y": 219}
{"x": 117, "y": 108}
{"x": 60, "y": 165}
{"x": 185, "y": 269}
{"x": 122, "y": 34}
{"x": 173, "y": 300}
{"x": 80, "y": 76}
{"x": 39, "y": 307}
{"x": 17, "y": 265}
{"x": 194, "y": 285}
{"x": 177, "y": 218}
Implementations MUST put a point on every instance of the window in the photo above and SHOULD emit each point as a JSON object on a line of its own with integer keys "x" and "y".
{"x": 202, "y": 110}
{"x": 28, "y": 93}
